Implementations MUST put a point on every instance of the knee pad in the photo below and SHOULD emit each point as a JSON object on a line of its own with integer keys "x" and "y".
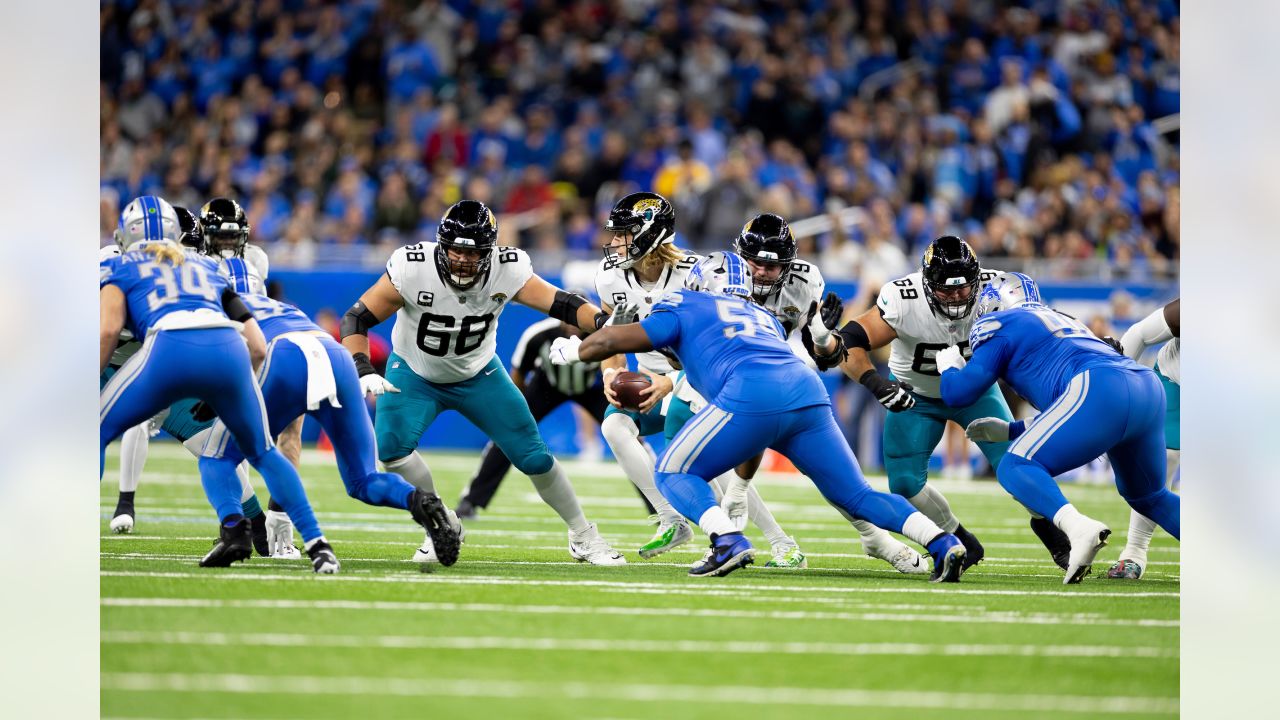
{"x": 907, "y": 473}
{"x": 619, "y": 428}
{"x": 535, "y": 461}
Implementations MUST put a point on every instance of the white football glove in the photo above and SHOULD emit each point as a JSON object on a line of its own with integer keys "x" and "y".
{"x": 623, "y": 313}
{"x": 950, "y": 358}
{"x": 734, "y": 502}
{"x": 988, "y": 429}
{"x": 819, "y": 330}
{"x": 280, "y": 534}
{"x": 374, "y": 384}
{"x": 564, "y": 351}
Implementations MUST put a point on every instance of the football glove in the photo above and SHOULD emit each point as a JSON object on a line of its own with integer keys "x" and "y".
{"x": 371, "y": 383}
{"x": 279, "y": 533}
{"x": 1114, "y": 343}
{"x": 564, "y": 351}
{"x": 825, "y": 319}
{"x": 894, "y": 395}
{"x": 734, "y": 502}
{"x": 623, "y": 313}
{"x": 950, "y": 358}
{"x": 988, "y": 429}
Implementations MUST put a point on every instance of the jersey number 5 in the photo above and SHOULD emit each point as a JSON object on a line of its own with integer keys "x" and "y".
{"x": 469, "y": 335}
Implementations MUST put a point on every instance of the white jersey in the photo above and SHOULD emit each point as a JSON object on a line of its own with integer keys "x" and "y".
{"x": 247, "y": 274}
{"x": 616, "y": 286}
{"x": 1168, "y": 363}
{"x": 447, "y": 335}
{"x": 793, "y": 305}
{"x": 921, "y": 333}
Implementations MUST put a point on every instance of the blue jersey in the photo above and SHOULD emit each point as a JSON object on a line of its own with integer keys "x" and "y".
{"x": 733, "y": 353}
{"x": 1035, "y": 349}
{"x": 155, "y": 288}
{"x": 276, "y": 318}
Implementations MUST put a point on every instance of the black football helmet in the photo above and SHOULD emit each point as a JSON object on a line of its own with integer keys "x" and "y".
{"x": 951, "y": 274}
{"x": 766, "y": 239}
{"x": 190, "y": 231}
{"x": 648, "y": 219}
{"x": 467, "y": 225}
{"x": 226, "y": 229}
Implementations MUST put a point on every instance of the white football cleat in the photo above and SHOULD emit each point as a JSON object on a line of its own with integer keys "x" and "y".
{"x": 590, "y": 547}
{"x": 122, "y": 524}
{"x": 900, "y": 555}
{"x": 426, "y": 555}
{"x": 1090, "y": 537}
{"x": 290, "y": 552}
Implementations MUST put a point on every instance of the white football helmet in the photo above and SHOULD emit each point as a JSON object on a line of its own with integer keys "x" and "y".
{"x": 721, "y": 273}
{"x": 147, "y": 219}
{"x": 1010, "y": 291}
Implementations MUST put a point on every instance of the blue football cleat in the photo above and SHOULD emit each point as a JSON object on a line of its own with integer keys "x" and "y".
{"x": 948, "y": 558}
{"x": 728, "y": 552}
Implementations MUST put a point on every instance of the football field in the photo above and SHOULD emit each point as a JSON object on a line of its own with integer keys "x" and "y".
{"x": 517, "y": 629}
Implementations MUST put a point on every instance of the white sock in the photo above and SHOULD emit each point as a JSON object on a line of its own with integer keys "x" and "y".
{"x": 623, "y": 437}
{"x": 246, "y": 489}
{"x": 872, "y": 536}
{"x": 133, "y": 455}
{"x": 1140, "y": 531}
{"x": 757, "y": 512}
{"x": 1172, "y": 459}
{"x": 920, "y": 528}
{"x": 1068, "y": 518}
{"x": 931, "y": 502}
{"x": 554, "y": 488}
{"x": 311, "y": 543}
{"x": 716, "y": 521}
{"x": 414, "y": 470}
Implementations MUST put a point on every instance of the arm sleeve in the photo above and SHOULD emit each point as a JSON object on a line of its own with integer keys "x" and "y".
{"x": 963, "y": 387}
{"x": 1148, "y": 331}
{"x": 233, "y": 306}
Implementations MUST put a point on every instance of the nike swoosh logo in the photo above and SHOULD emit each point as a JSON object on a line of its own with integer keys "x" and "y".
{"x": 491, "y": 371}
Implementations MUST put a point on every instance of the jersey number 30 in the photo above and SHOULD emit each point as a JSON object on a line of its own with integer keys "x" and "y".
{"x": 470, "y": 335}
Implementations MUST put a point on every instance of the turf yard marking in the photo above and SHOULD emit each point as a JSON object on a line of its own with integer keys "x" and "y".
{"x": 699, "y": 647}
{"x": 665, "y": 693}
{"x": 973, "y": 615}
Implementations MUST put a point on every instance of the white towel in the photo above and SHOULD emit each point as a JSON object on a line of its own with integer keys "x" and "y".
{"x": 320, "y": 383}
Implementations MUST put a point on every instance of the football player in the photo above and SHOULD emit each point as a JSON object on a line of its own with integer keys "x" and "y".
{"x": 731, "y": 347}
{"x": 921, "y": 314}
{"x": 1161, "y": 326}
{"x": 226, "y": 236}
{"x": 1093, "y": 400}
{"x": 447, "y": 296}
{"x": 187, "y": 312}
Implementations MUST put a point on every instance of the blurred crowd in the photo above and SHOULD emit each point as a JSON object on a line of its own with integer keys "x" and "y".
{"x": 347, "y": 128}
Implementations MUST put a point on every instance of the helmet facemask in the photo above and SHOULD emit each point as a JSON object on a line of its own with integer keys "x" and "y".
{"x": 470, "y": 230}
{"x": 463, "y": 272}
{"x": 769, "y": 247}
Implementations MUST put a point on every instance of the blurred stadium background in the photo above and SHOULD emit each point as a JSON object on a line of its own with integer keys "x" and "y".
{"x": 1043, "y": 132}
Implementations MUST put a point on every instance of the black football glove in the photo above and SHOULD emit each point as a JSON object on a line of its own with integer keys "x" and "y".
{"x": 837, "y": 356}
{"x": 894, "y": 395}
{"x": 831, "y": 311}
{"x": 1114, "y": 343}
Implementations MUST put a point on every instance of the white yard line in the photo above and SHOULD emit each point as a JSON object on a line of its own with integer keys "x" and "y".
{"x": 614, "y": 691}
{"x": 698, "y": 647}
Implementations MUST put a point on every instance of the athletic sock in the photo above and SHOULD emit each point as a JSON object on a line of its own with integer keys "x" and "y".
{"x": 1141, "y": 530}
{"x": 623, "y": 437}
{"x": 757, "y": 512}
{"x": 251, "y": 507}
{"x": 554, "y": 488}
{"x": 920, "y": 528}
{"x": 1068, "y": 518}
{"x": 715, "y": 521}
{"x": 872, "y": 536}
{"x": 931, "y": 502}
{"x": 133, "y": 456}
{"x": 414, "y": 469}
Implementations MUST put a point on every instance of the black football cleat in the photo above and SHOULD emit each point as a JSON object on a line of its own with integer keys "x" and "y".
{"x": 430, "y": 513}
{"x": 1055, "y": 541}
{"x": 973, "y": 550}
{"x": 232, "y": 546}
{"x": 122, "y": 519}
{"x": 323, "y": 559}
{"x": 258, "y": 530}
{"x": 465, "y": 510}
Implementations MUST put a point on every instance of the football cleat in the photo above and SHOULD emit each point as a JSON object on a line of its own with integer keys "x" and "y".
{"x": 1055, "y": 541}
{"x": 122, "y": 524}
{"x": 232, "y": 545}
{"x": 258, "y": 531}
{"x": 1085, "y": 544}
{"x": 948, "y": 558}
{"x": 973, "y": 550}
{"x": 728, "y": 552}
{"x": 465, "y": 510}
{"x": 669, "y": 536}
{"x": 289, "y": 552}
{"x": 1126, "y": 570}
{"x": 787, "y": 554}
{"x": 901, "y": 556}
{"x": 323, "y": 561}
{"x": 441, "y": 542}
{"x": 590, "y": 547}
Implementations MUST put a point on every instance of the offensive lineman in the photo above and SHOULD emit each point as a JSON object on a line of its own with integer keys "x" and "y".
{"x": 447, "y": 297}
{"x": 921, "y": 314}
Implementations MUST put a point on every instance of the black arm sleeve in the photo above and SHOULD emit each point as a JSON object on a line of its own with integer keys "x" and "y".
{"x": 565, "y": 307}
{"x": 234, "y": 307}
{"x": 855, "y": 336}
{"x": 358, "y": 320}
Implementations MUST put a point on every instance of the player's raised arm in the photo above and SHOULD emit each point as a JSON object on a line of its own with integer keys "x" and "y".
{"x": 376, "y": 304}
{"x": 861, "y": 335}
{"x": 564, "y": 306}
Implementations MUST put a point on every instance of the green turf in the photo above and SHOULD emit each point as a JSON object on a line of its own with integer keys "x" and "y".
{"x": 517, "y": 629}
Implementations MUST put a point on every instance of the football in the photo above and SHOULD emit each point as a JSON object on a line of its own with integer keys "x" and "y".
{"x": 628, "y": 385}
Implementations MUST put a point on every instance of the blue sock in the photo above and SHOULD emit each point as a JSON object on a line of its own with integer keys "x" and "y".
{"x": 691, "y": 496}
{"x": 251, "y": 507}
{"x": 286, "y": 488}
{"x": 221, "y": 486}
{"x": 382, "y": 490}
{"x": 1031, "y": 485}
